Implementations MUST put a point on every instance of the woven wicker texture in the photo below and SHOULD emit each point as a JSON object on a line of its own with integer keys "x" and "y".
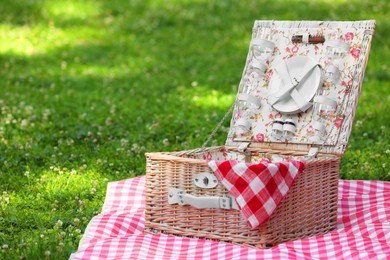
{"x": 309, "y": 209}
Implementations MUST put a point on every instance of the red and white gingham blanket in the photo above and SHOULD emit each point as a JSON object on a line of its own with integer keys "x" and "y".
{"x": 257, "y": 187}
{"x": 363, "y": 230}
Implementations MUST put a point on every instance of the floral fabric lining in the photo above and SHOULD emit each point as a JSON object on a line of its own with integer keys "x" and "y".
{"x": 262, "y": 119}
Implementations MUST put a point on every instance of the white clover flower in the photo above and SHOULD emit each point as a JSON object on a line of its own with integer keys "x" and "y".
{"x": 366, "y": 166}
{"x": 24, "y": 123}
{"x": 134, "y": 147}
{"x": 124, "y": 142}
{"x": 166, "y": 142}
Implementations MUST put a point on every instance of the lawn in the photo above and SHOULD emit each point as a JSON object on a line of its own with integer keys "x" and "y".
{"x": 88, "y": 86}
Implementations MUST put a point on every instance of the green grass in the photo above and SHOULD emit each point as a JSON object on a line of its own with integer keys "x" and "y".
{"x": 87, "y": 87}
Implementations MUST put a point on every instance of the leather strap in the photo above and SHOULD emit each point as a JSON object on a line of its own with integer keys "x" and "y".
{"x": 178, "y": 196}
{"x": 311, "y": 39}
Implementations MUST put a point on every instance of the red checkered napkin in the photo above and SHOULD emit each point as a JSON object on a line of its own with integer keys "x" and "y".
{"x": 257, "y": 188}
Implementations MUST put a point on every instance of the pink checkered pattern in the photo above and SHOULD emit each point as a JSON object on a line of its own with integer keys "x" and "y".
{"x": 258, "y": 188}
{"x": 117, "y": 233}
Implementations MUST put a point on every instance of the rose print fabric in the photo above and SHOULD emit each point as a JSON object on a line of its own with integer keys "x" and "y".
{"x": 341, "y": 90}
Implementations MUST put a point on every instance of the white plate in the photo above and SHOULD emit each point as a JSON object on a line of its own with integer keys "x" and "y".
{"x": 307, "y": 88}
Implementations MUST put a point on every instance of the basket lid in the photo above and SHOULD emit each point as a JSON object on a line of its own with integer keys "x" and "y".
{"x": 300, "y": 85}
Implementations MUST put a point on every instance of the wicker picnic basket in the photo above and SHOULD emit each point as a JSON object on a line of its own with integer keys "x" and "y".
{"x": 288, "y": 128}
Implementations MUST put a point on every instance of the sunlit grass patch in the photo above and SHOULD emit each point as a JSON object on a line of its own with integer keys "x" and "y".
{"x": 29, "y": 40}
{"x": 41, "y": 39}
{"x": 79, "y": 9}
{"x": 205, "y": 96}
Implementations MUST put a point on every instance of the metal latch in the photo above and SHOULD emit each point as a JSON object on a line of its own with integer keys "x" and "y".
{"x": 313, "y": 152}
{"x": 243, "y": 146}
{"x": 205, "y": 180}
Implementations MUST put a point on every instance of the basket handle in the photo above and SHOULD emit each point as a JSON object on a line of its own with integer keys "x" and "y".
{"x": 177, "y": 196}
